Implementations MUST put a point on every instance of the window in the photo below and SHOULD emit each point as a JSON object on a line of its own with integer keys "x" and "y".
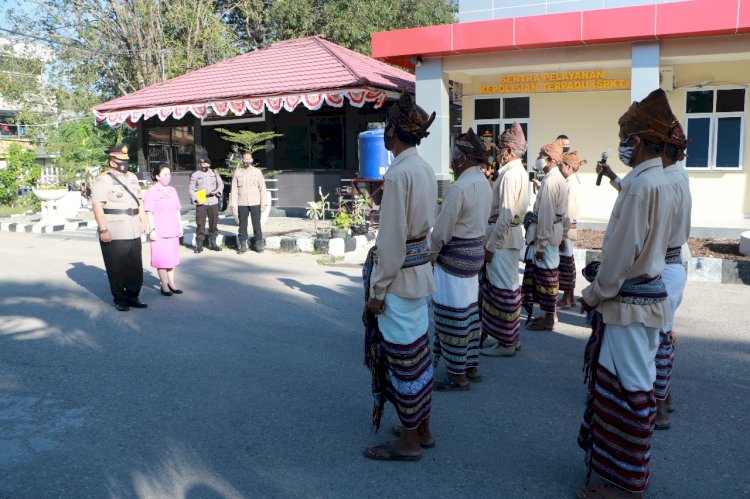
{"x": 715, "y": 126}
{"x": 492, "y": 116}
{"x": 173, "y": 145}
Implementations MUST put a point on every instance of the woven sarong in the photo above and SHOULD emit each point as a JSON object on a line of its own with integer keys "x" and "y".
{"x": 501, "y": 313}
{"x": 401, "y": 374}
{"x": 462, "y": 257}
{"x": 616, "y": 432}
{"x": 540, "y": 286}
{"x": 664, "y": 364}
{"x": 409, "y": 380}
{"x": 457, "y": 333}
{"x": 674, "y": 255}
{"x": 617, "y": 424}
{"x": 567, "y": 273}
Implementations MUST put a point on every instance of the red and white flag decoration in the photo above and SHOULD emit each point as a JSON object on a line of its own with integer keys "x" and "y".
{"x": 357, "y": 97}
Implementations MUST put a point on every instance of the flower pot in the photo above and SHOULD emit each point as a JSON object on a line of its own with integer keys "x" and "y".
{"x": 339, "y": 233}
{"x": 360, "y": 229}
{"x": 50, "y": 198}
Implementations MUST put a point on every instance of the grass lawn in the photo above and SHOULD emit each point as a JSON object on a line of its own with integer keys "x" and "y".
{"x": 6, "y": 211}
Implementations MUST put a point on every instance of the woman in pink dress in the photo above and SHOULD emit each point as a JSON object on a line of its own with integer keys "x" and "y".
{"x": 163, "y": 212}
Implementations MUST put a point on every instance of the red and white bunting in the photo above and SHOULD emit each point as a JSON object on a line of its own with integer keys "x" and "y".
{"x": 357, "y": 97}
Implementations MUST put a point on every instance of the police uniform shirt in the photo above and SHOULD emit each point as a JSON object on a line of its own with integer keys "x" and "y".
{"x": 208, "y": 181}
{"x": 112, "y": 195}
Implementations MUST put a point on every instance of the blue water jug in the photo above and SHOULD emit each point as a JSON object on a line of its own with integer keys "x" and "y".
{"x": 374, "y": 158}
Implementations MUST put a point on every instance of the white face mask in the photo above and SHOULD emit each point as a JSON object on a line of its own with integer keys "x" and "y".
{"x": 625, "y": 151}
{"x": 540, "y": 164}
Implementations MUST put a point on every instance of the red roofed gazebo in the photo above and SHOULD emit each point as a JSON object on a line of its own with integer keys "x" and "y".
{"x": 318, "y": 94}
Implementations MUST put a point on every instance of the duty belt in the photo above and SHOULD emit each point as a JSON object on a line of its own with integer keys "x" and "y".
{"x": 127, "y": 211}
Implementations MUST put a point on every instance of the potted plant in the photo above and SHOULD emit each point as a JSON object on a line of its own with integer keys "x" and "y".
{"x": 341, "y": 224}
{"x": 316, "y": 211}
{"x": 360, "y": 212}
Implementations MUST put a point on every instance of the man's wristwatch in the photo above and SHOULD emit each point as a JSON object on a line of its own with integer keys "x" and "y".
{"x": 102, "y": 231}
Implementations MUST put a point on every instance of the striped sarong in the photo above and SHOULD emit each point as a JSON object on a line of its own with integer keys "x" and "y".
{"x": 501, "y": 313}
{"x": 664, "y": 364}
{"x": 462, "y": 257}
{"x": 409, "y": 380}
{"x": 457, "y": 334}
{"x": 617, "y": 424}
{"x": 616, "y": 432}
{"x": 540, "y": 286}
{"x": 567, "y": 273}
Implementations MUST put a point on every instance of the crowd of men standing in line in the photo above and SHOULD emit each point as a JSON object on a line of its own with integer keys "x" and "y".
{"x": 465, "y": 259}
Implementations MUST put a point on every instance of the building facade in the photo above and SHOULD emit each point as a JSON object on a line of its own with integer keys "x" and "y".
{"x": 574, "y": 67}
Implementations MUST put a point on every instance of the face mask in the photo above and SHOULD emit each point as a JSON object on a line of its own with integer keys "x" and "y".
{"x": 625, "y": 152}
{"x": 204, "y": 168}
{"x": 164, "y": 180}
{"x": 566, "y": 149}
{"x": 121, "y": 166}
{"x": 540, "y": 164}
{"x": 247, "y": 163}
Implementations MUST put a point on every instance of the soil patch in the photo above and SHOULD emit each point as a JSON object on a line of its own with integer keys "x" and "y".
{"x": 726, "y": 249}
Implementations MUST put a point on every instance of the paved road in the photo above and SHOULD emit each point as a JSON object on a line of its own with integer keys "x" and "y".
{"x": 251, "y": 384}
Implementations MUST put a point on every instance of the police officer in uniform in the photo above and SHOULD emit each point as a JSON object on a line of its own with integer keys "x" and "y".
{"x": 118, "y": 209}
{"x": 210, "y": 182}
{"x": 248, "y": 198}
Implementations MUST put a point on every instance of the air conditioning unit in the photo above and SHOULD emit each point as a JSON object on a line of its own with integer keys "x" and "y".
{"x": 666, "y": 79}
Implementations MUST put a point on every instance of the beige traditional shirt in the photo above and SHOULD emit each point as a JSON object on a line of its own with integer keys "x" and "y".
{"x": 634, "y": 245}
{"x": 510, "y": 200}
{"x": 681, "y": 218}
{"x": 574, "y": 207}
{"x": 114, "y": 196}
{"x": 551, "y": 202}
{"x": 407, "y": 212}
{"x": 464, "y": 211}
{"x": 248, "y": 188}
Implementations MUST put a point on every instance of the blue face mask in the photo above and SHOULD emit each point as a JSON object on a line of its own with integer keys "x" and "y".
{"x": 625, "y": 151}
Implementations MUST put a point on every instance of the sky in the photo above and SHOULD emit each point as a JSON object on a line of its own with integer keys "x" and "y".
{"x": 8, "y": 5}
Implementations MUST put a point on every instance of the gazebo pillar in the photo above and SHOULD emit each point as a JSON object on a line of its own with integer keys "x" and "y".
{"x": 432, "y": 95}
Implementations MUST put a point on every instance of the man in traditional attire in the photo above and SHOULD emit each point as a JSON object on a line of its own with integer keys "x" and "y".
{"x": 457, "y": 248}
{"x": 397, "y": 348}
{"x": 501, "y": 296}
{"x": 627, "y": 302}
{"x": 571, "y": 162}
{"x": 674, "y": 274}
{"x": 544, "y": 234}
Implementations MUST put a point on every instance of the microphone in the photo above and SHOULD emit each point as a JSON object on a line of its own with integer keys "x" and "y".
{"x": 605, "y": 157}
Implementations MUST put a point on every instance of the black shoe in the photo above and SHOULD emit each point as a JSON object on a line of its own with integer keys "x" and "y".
{"x": 213, "y": 246}
{"x": 198, "y": 248}
{"x": 137, "y": 303}
{"x": 175, "y": 291}
{"x": 121, "y": 307}
{"x": 165, "y": 293}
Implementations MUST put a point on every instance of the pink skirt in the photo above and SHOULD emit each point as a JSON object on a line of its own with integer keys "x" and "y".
{"x": 165, "y": 253}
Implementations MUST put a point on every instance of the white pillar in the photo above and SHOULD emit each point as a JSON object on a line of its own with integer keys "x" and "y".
{"x": 644, "y": 73}
{"x": 432, "y": 95}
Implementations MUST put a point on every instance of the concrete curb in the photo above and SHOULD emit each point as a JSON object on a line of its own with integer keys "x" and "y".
{"x": 700, "y": 269}
{"x": 38, "y": 228}
{"x": 334, "y": 246}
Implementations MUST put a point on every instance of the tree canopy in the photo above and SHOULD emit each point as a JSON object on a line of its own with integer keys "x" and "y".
{"x": 104, "y": 49}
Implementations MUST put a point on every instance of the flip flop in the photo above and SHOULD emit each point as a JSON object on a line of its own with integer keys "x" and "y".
{"x": 396, "y": 430}
{"x": 448, "y": 385}
{"x": 477, "y": 379}
{"x": 664, "y": 426}
{"x": 391, "y": 454}
{"x": 670, "y": 409}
